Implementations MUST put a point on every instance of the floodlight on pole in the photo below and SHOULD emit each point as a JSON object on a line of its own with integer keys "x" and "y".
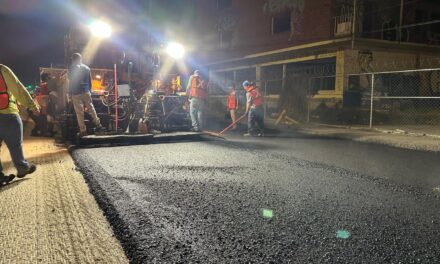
{"x": 100, "y": 29}
{"x": 175, "y": 50}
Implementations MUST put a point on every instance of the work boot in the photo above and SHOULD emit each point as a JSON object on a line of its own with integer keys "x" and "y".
{"x": 28, "y": 170}
{"x": 6, "y": 179}
{"x": 247, "y": 135}
{"x": 82, "y": 133}
{"x": 99, "y": 128}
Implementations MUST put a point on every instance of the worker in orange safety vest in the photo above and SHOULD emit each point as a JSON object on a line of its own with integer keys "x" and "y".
{"x": 232, "y": 105}
{"x": 254, "y": 109}
{"x": 198, "y": 95}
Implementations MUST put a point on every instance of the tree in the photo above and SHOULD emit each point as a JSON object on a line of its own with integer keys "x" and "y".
{"x": 295, "y": 7}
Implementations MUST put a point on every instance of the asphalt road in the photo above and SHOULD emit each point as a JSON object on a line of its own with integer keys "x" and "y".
{"x": 271, "y": 200}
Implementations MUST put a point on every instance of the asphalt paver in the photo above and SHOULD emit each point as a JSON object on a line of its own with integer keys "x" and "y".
{"x": 265, "y": 201}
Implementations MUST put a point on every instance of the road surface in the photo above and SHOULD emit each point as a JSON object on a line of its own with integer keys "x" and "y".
{"x": 274, "y": 200}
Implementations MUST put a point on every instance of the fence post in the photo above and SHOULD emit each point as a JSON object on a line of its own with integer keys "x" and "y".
{"x": 308, "y": 96}
{"x": 371, "y": 102}
{"x": 265, "y": 100}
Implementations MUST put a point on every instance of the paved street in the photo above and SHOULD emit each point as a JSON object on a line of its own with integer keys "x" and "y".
{"x": 296, "y": 199}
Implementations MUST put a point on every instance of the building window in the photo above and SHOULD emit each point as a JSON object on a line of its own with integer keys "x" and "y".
{"x": 324, "y": 83}
{"x": 281, "y": 23}
{"x": 224, "y": 4}
{"x": 226, "y": 39}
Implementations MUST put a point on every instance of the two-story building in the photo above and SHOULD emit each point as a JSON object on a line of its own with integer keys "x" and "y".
{"x": 307, "y": 48}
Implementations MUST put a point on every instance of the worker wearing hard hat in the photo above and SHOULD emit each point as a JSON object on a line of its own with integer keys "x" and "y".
{"x": 196, "y": 90}
{"x": 254, "y": 109}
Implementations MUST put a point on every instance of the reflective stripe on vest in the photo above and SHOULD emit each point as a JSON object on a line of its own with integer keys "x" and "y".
{"x": 257, "y": 98}
{"x": 196, "y": 89}
{"x": 4, "y": 95}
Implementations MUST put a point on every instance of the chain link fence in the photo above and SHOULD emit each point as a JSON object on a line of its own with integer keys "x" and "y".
{"x": 393, "y": 100}
{"x": 397, "y": 100}
{"x": 406, "y": 100}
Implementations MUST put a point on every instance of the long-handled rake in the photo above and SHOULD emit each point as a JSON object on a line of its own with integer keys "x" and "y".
{"x": 228, "y": 127}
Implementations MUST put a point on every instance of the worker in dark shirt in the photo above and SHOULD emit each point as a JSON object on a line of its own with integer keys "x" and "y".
{"x": 80, "y": 87}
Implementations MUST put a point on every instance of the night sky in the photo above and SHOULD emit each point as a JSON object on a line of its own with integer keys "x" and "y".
{"x": 33, "y": 30}
{"x": 32, "y": 35}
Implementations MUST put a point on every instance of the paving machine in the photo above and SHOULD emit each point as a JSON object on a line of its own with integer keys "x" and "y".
{"x": 142, "y": 106}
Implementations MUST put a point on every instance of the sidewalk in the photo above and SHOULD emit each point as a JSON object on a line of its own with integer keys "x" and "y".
{"x": 384, "y": 137}
{"x": 50, "y": 216}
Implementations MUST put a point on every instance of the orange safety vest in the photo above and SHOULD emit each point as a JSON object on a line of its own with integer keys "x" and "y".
{"x": 4, "y": 95}
{"x": 43, "y": 101}
{"x": 197, "y": 89}
{"x": 257, "y": 97}
{"x": 232, "y": 101}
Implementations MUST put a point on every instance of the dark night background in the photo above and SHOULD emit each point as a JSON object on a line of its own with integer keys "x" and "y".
{"x": 33, "y": 30}
{"x": 32, "y": 35}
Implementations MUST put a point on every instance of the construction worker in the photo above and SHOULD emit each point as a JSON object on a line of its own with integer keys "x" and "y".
{"x": 254, "y": 109}
{"x": 232, "y": 104}
{"x": 43, "y": 127}
{"x": 13, "y": 92}
{"x": 80, "y": 87}
{"x": 197, "y": 95}
{"x": 175, "y": 84}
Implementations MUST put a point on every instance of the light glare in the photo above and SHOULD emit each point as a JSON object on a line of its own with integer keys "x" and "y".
{"x": 100, "y": 29}
{"x": 175, "y": 50}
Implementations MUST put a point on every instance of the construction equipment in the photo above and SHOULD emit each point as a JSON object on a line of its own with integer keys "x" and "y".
{"x": 142, "y": 107}
{"x": 156, "y": 112}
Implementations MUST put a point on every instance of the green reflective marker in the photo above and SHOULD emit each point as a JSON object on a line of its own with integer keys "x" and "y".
{"x": 267, "y": 213}
{"x": 343, "y": 234}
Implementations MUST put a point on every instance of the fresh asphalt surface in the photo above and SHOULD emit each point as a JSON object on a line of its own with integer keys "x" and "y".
{"x": 273, "y": 200}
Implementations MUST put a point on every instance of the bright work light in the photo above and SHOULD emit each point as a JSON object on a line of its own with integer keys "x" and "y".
{"x": 175, "y": 50}
{"x": 100, "y": 29}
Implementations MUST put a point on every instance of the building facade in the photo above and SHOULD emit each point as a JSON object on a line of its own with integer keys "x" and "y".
{"x": 304, "y": 50}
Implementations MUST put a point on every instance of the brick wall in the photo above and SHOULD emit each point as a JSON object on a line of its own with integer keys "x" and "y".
{"x": 253, "y": 30}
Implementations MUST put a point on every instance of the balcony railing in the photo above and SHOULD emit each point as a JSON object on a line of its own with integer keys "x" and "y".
{"x": 343, "y": 25}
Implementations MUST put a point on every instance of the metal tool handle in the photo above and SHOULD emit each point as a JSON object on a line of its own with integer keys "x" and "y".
{"x": 233, "y": 123}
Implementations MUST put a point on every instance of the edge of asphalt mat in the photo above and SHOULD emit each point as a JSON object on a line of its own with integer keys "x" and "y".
{"x": 100, "y": 182}
{"x": 131, "y": 140}
{"x": 51, "y": 216}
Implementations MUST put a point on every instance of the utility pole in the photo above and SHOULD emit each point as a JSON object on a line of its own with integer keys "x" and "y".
{"x": 400, "y": 21}
{"x": 353, "y": 25}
